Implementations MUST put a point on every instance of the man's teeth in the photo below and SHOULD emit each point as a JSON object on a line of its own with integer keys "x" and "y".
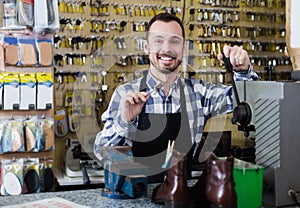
{"x": 166, "y": 58}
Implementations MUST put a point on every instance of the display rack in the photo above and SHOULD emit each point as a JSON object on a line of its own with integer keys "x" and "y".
{"x": 27, "y": 142}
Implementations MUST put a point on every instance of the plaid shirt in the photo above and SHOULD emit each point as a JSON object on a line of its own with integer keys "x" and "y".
{"x": 203, "y": 100}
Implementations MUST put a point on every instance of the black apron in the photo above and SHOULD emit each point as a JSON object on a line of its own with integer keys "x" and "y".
{"x": 153, "y": 133}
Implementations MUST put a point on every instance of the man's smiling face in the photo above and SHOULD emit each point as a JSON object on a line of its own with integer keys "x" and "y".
{"x": 165, "y": 46}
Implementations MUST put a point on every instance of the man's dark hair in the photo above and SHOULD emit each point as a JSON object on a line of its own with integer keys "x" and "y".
{"x": 165, "y": 17}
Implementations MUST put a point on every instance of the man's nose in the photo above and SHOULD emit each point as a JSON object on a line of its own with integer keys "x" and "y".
{"x": 166, "y": 46}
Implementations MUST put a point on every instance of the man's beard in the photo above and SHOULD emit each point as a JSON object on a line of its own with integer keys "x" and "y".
{"x": 166, "y": 70}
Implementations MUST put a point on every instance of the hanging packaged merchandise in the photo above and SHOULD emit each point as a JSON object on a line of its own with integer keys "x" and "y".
{"x": 12, "y": 177}
{"x": 79, "y": 102}
{"x": 44, "y": 91}
{"x": 46, "y": 15}
{"x": 60, "y": 122}
{"x": 13, "y": 138}
{"x": 9, "y": 13}
{"x": 2, "y": 128}
{"x": 46, "y": 175}
{"x": 27, "y": 91}
{"x": 73, "y": 117}
{"x": 69, "y": 98}
{"x": 27, "y": 50}
{"x": 31, "y": 183}
{"x": 45, "y": 133}
{"x": 11, "y": 91}
{"x": 25, "y": 12}
{"x": 11, "y": 50}
{"x": 44, "y": 45}
{"x": 30, "y": 126}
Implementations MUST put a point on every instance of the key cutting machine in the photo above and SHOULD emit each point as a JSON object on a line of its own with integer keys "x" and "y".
{"x": 275, "y": 113}
{"x": 272, "y": 111}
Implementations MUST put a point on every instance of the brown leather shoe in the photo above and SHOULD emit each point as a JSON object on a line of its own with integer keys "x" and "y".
{"x": 220, "y": 185}
{"x": 173, "y": 191}
{"x": 198, "y": 191}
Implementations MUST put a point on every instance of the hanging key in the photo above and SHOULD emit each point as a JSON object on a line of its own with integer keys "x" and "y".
{"x": 73, "y": 42}
{"x": 92, "y": 9}
{"x": 57, "y": 41}
{"x": 205, "y": 30}
{"x": 63, "y": 24}
{"x": 200, "y": 31}
{"x": 69, "y": 25}
{"x": 77, "y": 25}
{"x": 116, "y": 8}
{"x": 94, "y": 45}
{"x": 80, "y": 42}
{"x": 130, "y": 10}
{"x": 205, "y": 15}
{"x": 192, "y": 14}
{"x": 61, "y": 6}
{"x": 146, "y": 10}
{"x": 229, "y": 3}
{"x": 106, "y": 9}
{"x": 200, "y": 15}
{"x": 191, "y": 29}
{"x": 87, "y": 42}
{"x": 122, "y": 25}
{"x": 68, "y": 42}
{"x": 142, "y": 10}
{"x": 200, "y": 47}
{"x": 58, "y": 59}
{"x": 209, "y": 31}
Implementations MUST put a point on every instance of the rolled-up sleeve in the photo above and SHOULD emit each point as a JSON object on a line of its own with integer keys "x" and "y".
{"x": 115, "y": 131}
{"x": 246, "y": 75}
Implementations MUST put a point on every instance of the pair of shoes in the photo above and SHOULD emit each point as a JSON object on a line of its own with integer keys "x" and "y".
{"x": 214, "y": 188}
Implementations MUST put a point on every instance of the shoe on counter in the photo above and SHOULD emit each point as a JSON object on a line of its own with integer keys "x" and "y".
{"x": 173, "y": 191}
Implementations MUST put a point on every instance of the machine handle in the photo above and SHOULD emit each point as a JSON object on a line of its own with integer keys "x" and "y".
{"x": 229, "y": 70}
{"x": 242, "y": 112}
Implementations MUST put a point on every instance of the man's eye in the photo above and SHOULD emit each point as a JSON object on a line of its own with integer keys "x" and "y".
{"x": 158, "y": 40}
{"x": 175, "y": 41}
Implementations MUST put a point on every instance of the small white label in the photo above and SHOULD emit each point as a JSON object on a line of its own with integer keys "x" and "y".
{"x": 104, "y": 87}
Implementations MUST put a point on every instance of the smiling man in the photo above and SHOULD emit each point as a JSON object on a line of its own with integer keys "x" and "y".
{"x": 147, "y": 117}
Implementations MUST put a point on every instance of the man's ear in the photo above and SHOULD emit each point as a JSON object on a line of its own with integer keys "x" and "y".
{"x": 146, "y": 47}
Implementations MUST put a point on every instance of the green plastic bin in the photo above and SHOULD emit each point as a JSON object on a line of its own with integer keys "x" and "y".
{"x": 248, "y": 180}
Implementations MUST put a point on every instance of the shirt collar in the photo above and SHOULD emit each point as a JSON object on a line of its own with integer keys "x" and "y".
{"x": 152, "y": 82}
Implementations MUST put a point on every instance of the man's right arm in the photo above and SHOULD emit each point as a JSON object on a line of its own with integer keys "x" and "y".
{"x": 116, "y": 131}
